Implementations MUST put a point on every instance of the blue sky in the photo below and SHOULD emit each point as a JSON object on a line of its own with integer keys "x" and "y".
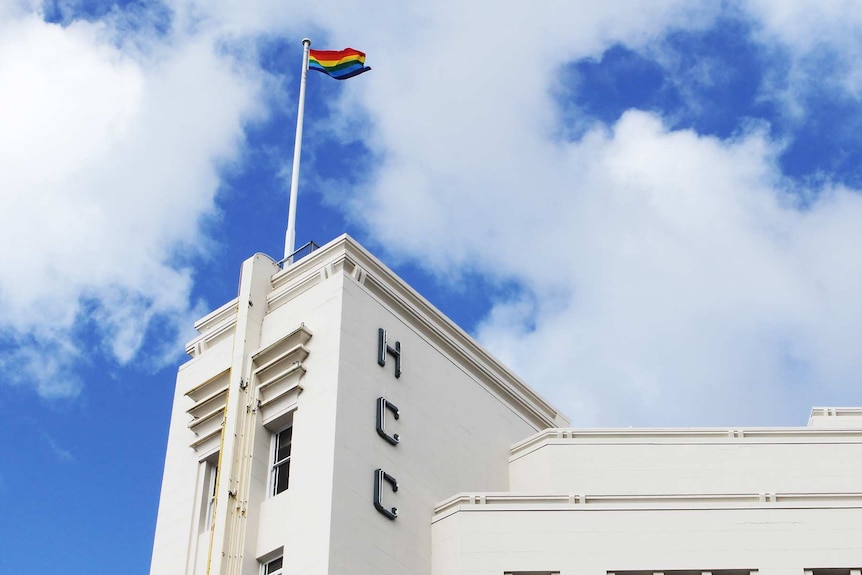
{"x": 650, "y": 210}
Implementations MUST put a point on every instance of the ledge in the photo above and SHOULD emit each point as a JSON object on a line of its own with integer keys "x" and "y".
{"x": 835, "y": 417}
{"x": 210, "y": 387}
{"x": 213, "y": 327}
{"x": 208, "y": 430}
{"x": 496, "y": 502}
{"x": 277, "y": 372}
{"x": 207, "y": 412}
{"x": 691, "y": 436}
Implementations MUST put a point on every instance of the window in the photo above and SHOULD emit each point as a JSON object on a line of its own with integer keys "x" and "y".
{"x": 211, "y": 483}
{"x": 207, "y": 494}
{"x": 281, "y": 460}
{"x": 273, "y": 567}
{"x": 834, "y": 571}
{"x": 688, "y": 572}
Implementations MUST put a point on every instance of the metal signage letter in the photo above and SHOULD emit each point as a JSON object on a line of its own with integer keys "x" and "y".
{"x": 382, "y": 406}
{"x": 383, "y": 348}
{"x": 379, "y": 477}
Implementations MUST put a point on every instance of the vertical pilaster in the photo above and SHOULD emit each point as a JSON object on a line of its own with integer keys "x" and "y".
{"x": 225, "y": 555}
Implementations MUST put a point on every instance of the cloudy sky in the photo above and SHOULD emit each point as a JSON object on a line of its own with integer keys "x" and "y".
{"x": 650, "y": 210}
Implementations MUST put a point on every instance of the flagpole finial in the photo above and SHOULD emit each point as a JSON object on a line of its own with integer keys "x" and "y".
{"x": 306, "y": 41}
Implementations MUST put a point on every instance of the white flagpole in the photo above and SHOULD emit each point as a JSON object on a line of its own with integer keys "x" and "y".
{"x": 290, "y": 234}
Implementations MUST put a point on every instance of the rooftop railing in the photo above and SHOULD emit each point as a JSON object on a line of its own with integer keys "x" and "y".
{"x": 307, "y": 247}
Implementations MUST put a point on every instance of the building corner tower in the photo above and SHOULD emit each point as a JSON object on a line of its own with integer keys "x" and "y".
{"x": 322, "y": 416}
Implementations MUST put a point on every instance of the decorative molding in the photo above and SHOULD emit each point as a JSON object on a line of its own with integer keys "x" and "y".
{"x": 835, "y": 417}
{"x": 209, "y": 434}
{"x": 213, "y": 327}
{"x": 345, "y": 255}
{"x": 285, "y": 292}
{"x": 207, "y": 411}
{"x": 448, "y": 338}
{"x": 490, "y": 502}
{"x": 277, "y": 372}
{"x": 686, "y": 436}
{"x": 837, "y": 411}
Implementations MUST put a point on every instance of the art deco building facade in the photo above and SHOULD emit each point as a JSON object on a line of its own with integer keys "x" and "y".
{"x": 330, "y": 420}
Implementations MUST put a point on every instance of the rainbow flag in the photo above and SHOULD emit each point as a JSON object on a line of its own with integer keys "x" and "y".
{"x": 339, "y": 64}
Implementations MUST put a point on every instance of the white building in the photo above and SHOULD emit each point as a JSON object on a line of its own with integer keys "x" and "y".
{"x": 332, "y": 421}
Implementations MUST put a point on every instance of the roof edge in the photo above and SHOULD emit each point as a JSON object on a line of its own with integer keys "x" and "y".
{"x": 386, "y": 285}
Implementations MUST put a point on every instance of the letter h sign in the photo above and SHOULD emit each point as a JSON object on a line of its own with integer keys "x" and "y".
{"x": 384, "y": 348}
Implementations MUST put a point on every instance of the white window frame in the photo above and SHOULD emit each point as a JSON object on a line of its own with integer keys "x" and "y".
{"x": 275, "y": 464}
{"x": 265, "y": 567}
{"x": 211, "y": 485}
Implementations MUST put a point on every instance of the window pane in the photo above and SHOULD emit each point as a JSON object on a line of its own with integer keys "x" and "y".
{"x": 209, "y": 502}
{"x": 213, "y": 479}
{"x": 273, "y": 566}
{"x": 282, "y": 451}
{"x": 282, "y": 474}
{"x": 281, "y": 460}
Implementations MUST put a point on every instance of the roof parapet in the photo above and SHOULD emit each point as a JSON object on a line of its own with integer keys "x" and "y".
{"x": 840, "y": 417}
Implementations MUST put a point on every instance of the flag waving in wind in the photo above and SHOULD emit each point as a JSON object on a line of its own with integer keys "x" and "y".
{"x": 339, "y": 64}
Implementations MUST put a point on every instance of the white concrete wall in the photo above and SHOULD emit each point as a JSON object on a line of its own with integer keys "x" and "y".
{"x": 298, "y": 520}
{"x": 175, "y": 548}
{"x": 778, "y": 500}
{"x": 454, "y": 434}
{"x": 594, "y": 542}
{"x": 835, "y": 417}
{"x": 800, "y": 464}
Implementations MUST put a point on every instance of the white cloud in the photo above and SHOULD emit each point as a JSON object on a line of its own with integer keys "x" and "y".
{"x": 806, "y": 27}
{"x": 824, "y": 43}
{"x": 109, "y": 156}
{"x": 685, "y": 285}
{"x": 666, "y": 277}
